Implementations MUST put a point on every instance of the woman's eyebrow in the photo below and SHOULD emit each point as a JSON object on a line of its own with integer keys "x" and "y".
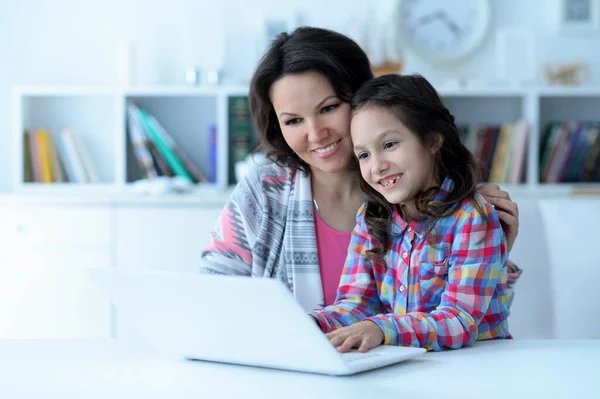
{"x": 325, "y": 99}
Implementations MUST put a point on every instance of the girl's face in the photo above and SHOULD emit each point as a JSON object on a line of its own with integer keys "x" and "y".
{"x": 314, "y": 122}
{"x": 393, "y": 160}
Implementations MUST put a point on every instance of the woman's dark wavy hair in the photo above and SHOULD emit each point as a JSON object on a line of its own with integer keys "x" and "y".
{"x": 335, "y": 56}
{"x": 414, "y": 101}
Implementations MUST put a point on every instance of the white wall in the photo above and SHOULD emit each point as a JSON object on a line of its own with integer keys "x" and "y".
{"x": 74, "y": 41}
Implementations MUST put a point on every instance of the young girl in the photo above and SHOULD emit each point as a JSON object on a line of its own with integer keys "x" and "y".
{"x": 427, "y": 262}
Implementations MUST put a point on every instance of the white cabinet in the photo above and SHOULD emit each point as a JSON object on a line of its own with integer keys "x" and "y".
{"x": 48, "y": 243}
{"x": 159, "y": 237}
{"x": 44, "y": 290}
{"x": 162, "y": 237}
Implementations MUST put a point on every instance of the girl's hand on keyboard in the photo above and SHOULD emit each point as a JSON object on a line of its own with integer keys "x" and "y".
{"x": 364, "y": 335}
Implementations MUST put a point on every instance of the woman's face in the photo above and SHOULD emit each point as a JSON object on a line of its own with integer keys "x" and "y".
{"x": 315, "y": 123}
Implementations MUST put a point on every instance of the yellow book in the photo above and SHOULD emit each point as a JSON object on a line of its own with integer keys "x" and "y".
{"x": 44, "y": 155}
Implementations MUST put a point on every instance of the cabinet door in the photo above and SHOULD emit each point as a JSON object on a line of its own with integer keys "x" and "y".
{"x": 44, "y": 290}
{"x": 47, "y": 294}
{"x": 169, "y": 238}
{"x": 55, "y": 226}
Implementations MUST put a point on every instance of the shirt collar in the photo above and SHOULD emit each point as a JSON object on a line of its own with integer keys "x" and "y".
{"x": 419, "y": 226}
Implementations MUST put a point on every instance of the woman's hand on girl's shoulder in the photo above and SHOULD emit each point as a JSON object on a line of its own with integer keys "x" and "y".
{"x": 508, "y": 210}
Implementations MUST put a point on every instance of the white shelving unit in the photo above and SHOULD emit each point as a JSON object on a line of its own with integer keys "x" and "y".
{"x": 98, "y": 113}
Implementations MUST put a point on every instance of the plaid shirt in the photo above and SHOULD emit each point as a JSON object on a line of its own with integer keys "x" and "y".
{"x": 441, "y": 290}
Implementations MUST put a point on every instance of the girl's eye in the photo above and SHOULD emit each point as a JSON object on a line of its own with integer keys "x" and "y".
{"x": 292, "y": 122}
{"x": 389, "y": 144}
{"x": 362, "y": 155}
{"x": 329, "y": 108}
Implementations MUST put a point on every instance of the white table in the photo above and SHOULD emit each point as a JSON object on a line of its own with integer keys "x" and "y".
{"x": 104, "y": 369}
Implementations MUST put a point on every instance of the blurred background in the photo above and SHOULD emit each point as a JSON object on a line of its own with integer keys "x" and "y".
{"x": 82, "y": 81}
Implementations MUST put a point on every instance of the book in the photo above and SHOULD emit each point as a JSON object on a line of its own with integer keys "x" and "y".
{"x": 58, "y": 174}
{"x": 86, "y": 160}
{"x": 35, "y": 159}
{"x": 212, "y": 153}
{"x": 187, "y": 163}
{"x": 140, "y": 142}
{"x": 27, "y": 160}
{"x": 44, "y": 155}
{"x": 517, "y": 165}
{"x": 72, "y": 158}
{"x": 172, "y": 160}
{"x": 241, "y": 133}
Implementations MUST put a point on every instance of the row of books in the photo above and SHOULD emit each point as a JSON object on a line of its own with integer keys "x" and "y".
{"x": 570, "y": 152}
{"x": 155, "y": 151}
{"x": 58, "y": 158}
{"x": 499, "y": 149}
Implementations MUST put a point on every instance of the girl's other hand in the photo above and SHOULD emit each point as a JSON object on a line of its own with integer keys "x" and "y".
{"x": 364, "y": 335}
{"x": 508, "y": 211}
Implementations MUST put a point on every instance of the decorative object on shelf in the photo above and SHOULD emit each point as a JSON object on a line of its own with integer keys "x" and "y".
{"x": 213, "y": 77}
{"x": 516, "y": 56}
{"x": 387, "y": 67}
{"x": 441, "y": 31}
{"x": 569, "y": 74}
{"x": 391, "y": 59}
{"x": 126, "y": 63}
{"x": 162, "y": 185}
{"x": 193, "y": 76}
{"x": 579, "y": 16}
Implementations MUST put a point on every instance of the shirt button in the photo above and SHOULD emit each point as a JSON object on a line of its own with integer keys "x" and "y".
{"x": 404, "y": 255}
{"x": 401, "y": 288}
{"x": 409, "y": 229}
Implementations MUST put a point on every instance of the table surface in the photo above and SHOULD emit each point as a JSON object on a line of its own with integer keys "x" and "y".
{"x": 106, "y": 369}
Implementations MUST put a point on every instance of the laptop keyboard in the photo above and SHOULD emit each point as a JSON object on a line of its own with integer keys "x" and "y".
{"x": 355, "y": 355}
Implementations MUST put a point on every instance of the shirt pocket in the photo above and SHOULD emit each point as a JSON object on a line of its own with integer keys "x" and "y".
{"x": 433, "y": 279}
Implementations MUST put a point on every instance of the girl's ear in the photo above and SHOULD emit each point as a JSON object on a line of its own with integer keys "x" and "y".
{"x": 436, "y": 143}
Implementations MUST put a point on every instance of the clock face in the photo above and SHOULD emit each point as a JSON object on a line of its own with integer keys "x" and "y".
{"x": 442, "y": 30}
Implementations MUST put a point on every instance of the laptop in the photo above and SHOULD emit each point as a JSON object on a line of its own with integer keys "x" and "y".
{"x": 232, "y": 319}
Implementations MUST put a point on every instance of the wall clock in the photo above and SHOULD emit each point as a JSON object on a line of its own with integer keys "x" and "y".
{"x": 443, "y": 31}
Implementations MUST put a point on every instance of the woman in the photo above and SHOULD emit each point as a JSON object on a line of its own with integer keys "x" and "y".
{"x": 292, "y": 220}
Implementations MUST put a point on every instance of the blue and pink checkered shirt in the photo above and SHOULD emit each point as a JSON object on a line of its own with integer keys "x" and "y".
{"x": 443, "y": 289}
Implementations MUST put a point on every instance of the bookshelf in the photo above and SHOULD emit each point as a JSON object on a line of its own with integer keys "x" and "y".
{"x": 99, "y": 114}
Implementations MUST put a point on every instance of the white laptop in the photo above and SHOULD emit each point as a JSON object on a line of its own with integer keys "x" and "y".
{"x": 239, "y": 320}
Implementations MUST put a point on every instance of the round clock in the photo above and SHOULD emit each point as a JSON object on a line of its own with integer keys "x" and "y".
{"x": 443, "y": 31}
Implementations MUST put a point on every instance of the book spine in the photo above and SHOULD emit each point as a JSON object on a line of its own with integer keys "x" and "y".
{"x": 27, "y": 159}
{"x": 44, "y": 156}
{"x": 140, "y": 142}
{"x": 212, "y": 153}
{"x": 185, "y": 160}
{"x": 172, "y": 160}
{"x": 86, "y": 160}
{"x": 73, "y": 156}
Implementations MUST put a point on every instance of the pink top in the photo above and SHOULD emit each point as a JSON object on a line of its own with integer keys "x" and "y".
{"x": 332, "y": 248}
